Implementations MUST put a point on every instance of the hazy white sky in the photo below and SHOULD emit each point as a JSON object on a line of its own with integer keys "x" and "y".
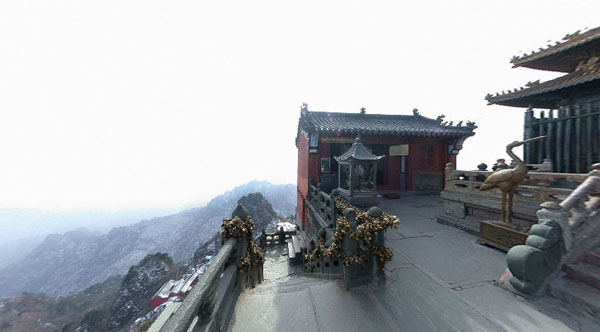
{"x": 129, "y": 104}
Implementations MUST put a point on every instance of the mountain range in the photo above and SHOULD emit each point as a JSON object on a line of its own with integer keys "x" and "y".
{"x": 67, "y": 263}
{"x": 21, "y": 230}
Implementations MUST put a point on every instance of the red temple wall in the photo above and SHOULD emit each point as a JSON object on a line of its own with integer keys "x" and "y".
{"x": 313, "y": 169}
{"x": 302, "y": 185}
{"x": 392, "y": 164}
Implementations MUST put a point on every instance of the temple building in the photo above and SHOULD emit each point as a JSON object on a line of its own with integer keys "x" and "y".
{"x": 569, "y": 105}
{"x": 408, "y": 152}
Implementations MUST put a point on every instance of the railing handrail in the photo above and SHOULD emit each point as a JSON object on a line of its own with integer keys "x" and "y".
{"x": 578, "y": 221}
{"x": 277, "y": 233}
{"x": 328, "y": 258}
{"x": 538, "y": 187}
{"x": 203, "y": 293}
{"x": 571, "y": 177}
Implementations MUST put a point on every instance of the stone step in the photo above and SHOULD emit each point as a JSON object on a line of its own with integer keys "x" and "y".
{"x": 580, "y": 296}
{"x": 289, "y": 284}
{"x": 584, "y": 272}
{"x": 592, "y": 257}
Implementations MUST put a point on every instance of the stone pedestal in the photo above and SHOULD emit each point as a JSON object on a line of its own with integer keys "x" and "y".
{"x": 360, "y": 201}
{"x": 500, "y": 235}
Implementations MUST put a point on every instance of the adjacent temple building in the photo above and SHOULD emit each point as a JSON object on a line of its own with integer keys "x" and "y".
{"x": 416, "y": 150}
{"x": 571, "y": 119}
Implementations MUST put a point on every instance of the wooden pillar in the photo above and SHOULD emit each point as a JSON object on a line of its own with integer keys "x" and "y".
{"x": 540, "y": 144}
{"x": 594, "y": 110}
{"x": 528, "y": 133}
{"x": 558, "y": 143}
{"x": 590, "y": 140}
{"x": 374, "y": 177}
{"x": 597, "y": 135}
{"x": 402, "y": 172}
{"x": 551, "y": 136}
{"x": 578, "y": 138}
{"x": 567, "y": 141}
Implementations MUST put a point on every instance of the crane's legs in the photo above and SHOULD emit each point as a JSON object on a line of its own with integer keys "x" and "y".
{"x": 510, "y": 205}
{"x": 510, "y": 200}
{"x": 503, "y": 211}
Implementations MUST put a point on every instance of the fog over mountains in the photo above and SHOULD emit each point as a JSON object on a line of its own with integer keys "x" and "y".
{"x": 69, "y": 262}
{"x": 21, "y": 230}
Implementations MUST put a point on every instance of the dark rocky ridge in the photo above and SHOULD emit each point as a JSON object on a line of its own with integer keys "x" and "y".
{"x": 261, "y": 212}
{"x": 139, "y": 285}
{"x": 40, "y": 313}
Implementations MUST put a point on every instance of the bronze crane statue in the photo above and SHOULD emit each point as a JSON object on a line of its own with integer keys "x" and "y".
{"x": 508, "y": 180}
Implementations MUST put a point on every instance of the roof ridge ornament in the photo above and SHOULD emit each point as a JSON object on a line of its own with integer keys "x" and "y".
{"x": 304, "y": 108}
{"x": 440, "y": 118}
{"x": 363, "y": 110}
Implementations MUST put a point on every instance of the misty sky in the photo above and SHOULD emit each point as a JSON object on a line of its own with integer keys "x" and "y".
{"x": 133, "y": 104}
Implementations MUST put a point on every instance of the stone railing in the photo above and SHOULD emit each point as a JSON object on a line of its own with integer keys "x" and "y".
{"x": 355, "y": 263}
{"x": 465, "y": 205}
{"x": 265, "y": 239}
{"x": 209, "y": 305}
{"x": 538, "y": 187}
{"x": 324, "y": 205}
{"x": 563, "y": 233}
{"x": 367, "y": 270}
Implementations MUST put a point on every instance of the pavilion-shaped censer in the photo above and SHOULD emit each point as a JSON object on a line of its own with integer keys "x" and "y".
{"x": 357, "y": 170}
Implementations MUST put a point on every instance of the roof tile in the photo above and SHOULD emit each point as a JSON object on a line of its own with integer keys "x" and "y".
{"x": 380, "y": 124}
{"x": 517, "y": 97}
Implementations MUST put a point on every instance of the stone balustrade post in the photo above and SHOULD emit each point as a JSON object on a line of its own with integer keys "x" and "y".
{"x": 377, "y": 240}
{"x": 281, "y": 234}
{"x": 541, "y": 255}
{"x": 448, "y": 175}
{"x": 576, "y": 201}
{"x": 553, "y": 212}
{"x": 350, "y": 247}
{"x": 263, "y": 239}
{"x": 240, "y": 249}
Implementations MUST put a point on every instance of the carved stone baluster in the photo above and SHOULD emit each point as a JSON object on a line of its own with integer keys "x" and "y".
{"x": 377, "y": 241}
{"x": 576, "y": 201}
{"x": 263, "y": 239}
{"x": 281, "y": 234}
{"x": 553, "y": 211}
{"x": 448, "y": 175}
{"x": 532, "y": 263}
{"x": 350, "y": 247}
{"x": 472, "y": 181}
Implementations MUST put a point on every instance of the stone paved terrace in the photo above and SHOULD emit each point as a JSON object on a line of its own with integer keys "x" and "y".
{"x": 439, "y": 280}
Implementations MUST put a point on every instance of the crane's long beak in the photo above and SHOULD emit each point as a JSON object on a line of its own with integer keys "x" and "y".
{"x": 532, "y": 139}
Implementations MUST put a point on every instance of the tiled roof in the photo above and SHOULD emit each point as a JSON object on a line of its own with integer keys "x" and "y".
{"x": 354, "y": 124}
{"x": 357, "y": 152}
{"x": 545, "y": 95}
{"x": 563, "y": 56}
